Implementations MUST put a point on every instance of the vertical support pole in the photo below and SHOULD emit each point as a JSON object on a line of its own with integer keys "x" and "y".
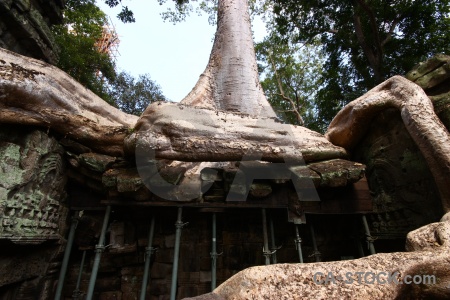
{"x": 369, "y": 238}
{"x": 266, "y": 251}
{"x": 272, "y": 242}
{"x": 298, "y": 244}
{"x": 360, "y": 248}
{"x": 76, "y": 292}
{"x": 213, "y": 253}
{"x": 178, "y": 225}
{"x": 316, "y": 250}
{"x": 148, "y": 255}
{"x": 99, "y": 249}
{"x": 65, "y": 262}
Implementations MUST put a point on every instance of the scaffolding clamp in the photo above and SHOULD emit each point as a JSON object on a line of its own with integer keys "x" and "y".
{"x": 180, "y": 225}
{"x": 269, "y": 253}
{"x": 370, "y": 239}
{"x": 275, "y": 249}
{"x": 101, "y": 248}
{"x": 298, "y": 241}
{"x": 214, "y": 255}
{"x": 316, "y": 253}
{"x": 150, "y": 250}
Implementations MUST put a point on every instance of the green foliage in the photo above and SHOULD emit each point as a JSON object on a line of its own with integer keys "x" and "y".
{"x": 290, "y": 78}
{"x": 125, "y": 14}
{"x": 366, "y": 42}
{"x": 80, "y": 58}
{"x": 76, "y": 38}
{"x": 133, "y": 96}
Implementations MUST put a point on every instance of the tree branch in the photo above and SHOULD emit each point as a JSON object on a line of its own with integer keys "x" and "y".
{"x": 374, "y": 56}
{"x": 300, "y": 120}
{"x": 391, "y": 31}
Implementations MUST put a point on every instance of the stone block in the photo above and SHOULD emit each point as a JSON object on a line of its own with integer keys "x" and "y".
{"x": 204, "y": 288}
{"x": 161, "y": 270}
{"x": 131, "y": 295}
{"x": 187, "y": 291}
{"x": 138, "y": 270}
{"x": 116, "y": 295}
{"x": 164, "y": 255}
{"x": 131, "y": 280}
{"x": 189, "y": 259}
{"x": 231, "y": 237}
{"x": 205, "y": 276}
{"x": 205, "y": 263}
{"x": 127, "y": 259}
{"x": 160, "y": 287}
{"x": 160, "y": 297}
{"x": 169, "y": 241}
{"x": 107, "y": 283}
{"x": 194, "y": 277}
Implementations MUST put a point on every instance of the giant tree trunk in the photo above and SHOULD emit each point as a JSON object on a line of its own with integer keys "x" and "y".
{"x": 226, "y": 116}
{"x": 230, "y": 82}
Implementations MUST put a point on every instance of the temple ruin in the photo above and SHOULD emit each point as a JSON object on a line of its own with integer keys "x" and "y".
{"x": 198, "y": 198}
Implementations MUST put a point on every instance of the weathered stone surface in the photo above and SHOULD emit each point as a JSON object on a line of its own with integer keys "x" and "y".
{"x": 337, "y": 172}
{"x": 32, "y": 186}
{"x": 431, "y": 245}
{"x": 96, "y": 162}
{"x": 404, "y": 194}
{"x": 25, "y": 27}
{"x": 35, "y": 93}
{"x": 33, "y": 212}
{"x": 431, "y": 73}
{"x": 433, "y": 76}
{"x": 427, "y": 131}
{"x": 19, "y": 264}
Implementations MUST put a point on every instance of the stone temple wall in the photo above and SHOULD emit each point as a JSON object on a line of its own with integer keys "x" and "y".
{"x": 239, "y": 239}
{"x": 25, "y": 27}
{"x": 33, "y": 212}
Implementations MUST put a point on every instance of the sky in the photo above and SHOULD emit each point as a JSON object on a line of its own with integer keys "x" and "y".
{"x": 174, "y": 55}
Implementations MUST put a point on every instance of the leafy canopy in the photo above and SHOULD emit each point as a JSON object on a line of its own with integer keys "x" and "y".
{"x": 290, "y": 78}
{"x": 80, "y": 57}
{"x": 365, "y": 42}
{"x": 362, "y": 43}
{"x": 76, "y": 37}
{"x": 134, "y": 95}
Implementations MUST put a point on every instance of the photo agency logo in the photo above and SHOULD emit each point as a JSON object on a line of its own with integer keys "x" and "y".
{"x": 369, "y": 277}
{"x": 201, "y": 135}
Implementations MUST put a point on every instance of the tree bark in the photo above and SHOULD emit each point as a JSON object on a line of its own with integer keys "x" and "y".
{"x": 187, "y": 133}
{"x": 428, "y": 132}
{"x": 226, "y": 117}
{"x": 230, "y": 81}
{"x": 35, "y": 93}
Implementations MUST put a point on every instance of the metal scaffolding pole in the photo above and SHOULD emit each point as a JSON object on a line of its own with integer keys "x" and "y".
{"x": 298, "y": 244}
{"x": 316, "y": 250}
{"x": 273, "y": 247}
{"x": 266, "y": 251}
{"x": 99, "y": 249}
{"x": 77, "y": 292}
{"x": 178, "y": 225}
{"x": 65, "y": 262}
{"x": 213, "y": 253}
{"x": 369, "y": 237}
{"x": 148, "y": 255}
